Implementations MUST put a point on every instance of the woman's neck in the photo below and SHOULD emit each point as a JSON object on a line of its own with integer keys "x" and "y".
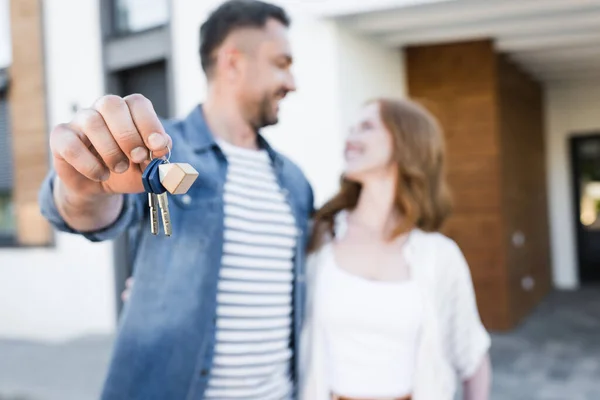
{"x": 375, "y": 209}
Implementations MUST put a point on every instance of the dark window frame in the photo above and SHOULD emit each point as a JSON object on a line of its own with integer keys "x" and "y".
{"x": 7, "y": 239}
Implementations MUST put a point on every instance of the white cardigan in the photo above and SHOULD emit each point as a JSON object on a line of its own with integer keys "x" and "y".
{"x": 453, "y": 341}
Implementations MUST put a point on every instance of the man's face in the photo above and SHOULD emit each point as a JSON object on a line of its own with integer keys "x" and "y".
{"x": 265, "y": 76}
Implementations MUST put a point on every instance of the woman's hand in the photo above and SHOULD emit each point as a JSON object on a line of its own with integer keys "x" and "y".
{"x": 127, "y": 291}
{"x": 478, "y": 386}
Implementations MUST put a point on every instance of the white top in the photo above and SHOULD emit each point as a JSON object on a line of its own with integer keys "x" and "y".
{"x": 453, "y": 341}
{"x": 254, "y": 299}
{"x": 371, "y": 330}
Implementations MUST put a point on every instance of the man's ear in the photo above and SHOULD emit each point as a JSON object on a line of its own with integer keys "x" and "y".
{"x": 229, "y": 63}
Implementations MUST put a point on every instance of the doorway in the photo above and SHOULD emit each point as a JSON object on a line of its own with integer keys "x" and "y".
{"x": 585, "y": 158}
{"x": 150, "y": 80}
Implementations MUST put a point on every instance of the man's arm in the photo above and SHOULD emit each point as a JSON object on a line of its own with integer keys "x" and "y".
{"x": 131, "y": 211}
{"x": 86, "y": 214}
{"x": 98, "y": 157}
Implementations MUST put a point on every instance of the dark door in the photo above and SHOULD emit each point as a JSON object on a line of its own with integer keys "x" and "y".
{"x": 585, "y": 156}
{"x": 149, "y": 80}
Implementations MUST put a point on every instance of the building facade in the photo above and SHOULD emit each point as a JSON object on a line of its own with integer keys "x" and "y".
{"x": 509, "y": 102}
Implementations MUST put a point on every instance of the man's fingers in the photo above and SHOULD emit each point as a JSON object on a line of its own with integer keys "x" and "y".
{"x": 148, "y": 124}
{"x": 68, "y": 145}
{"x": 115, "y": 113}
{"x": 91, "y": 122}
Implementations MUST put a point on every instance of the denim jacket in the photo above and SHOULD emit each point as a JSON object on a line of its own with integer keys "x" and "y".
{"x": 166, "y": 336}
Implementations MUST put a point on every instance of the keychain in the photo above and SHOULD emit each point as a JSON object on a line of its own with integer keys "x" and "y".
{"x": 160, "y": 177}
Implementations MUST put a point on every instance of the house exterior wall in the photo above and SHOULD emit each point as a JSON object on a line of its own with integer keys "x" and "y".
{"x": 571, "y": 108}
{"x": 66, "y": 290}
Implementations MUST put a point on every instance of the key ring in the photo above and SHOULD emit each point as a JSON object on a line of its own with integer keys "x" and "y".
{"x": 163, "y": 157}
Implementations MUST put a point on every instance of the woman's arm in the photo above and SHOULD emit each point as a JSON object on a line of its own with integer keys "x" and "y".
{"x": 478, "y": 386}
{"x": 468, "y": 340}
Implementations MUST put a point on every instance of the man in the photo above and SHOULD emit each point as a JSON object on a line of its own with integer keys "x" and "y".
{"x": 216, "y": 309}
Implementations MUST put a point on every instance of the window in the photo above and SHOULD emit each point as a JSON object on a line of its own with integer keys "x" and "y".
{"x": 589, "y": 183}
{"x": 131, "y": 16}
{"x": 7, "y": 214}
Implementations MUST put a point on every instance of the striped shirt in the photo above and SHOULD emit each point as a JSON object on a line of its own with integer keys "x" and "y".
{"x": 254, "y": 298}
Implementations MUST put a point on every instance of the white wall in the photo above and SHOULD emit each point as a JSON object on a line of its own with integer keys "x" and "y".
{"x": 332, "y": 8}
{"x": 66, "y": 291}
{"x": 335, "y": 72}
{"x": 366, "y": 70}
{"x": 188, "y": 79}
{"x": 5, "y": 47}
{"x": 570, "y": 108}
{"x": 309, "y": 127}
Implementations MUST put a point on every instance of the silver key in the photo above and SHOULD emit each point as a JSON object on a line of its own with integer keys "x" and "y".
{"x": 163, "y": 203}
{"x": 153, "y": 203}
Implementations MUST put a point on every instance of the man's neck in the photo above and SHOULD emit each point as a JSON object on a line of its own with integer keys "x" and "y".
{"x": 227, "y": 123}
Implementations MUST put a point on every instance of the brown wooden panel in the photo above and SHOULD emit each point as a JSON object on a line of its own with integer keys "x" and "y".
{"x": 524, "y": 202}
{"x": 451, "y": 69}
{"x": 478, "y": 170}
{"x": 27, "y": 99}
{"x": 457, "y": 83}
{"x": 473, "y": 198}
{"x": 479, "y": 237}
{"x": 476, "y": 230}
{"x": 468, "y": 121}
{"x": 492, "y": 294}
{"x": 491, "y": 113}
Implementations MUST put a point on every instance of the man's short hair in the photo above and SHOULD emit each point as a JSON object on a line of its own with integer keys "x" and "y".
{"x": 230, "y": 16}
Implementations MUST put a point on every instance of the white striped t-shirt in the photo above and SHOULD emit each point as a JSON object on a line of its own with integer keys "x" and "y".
{"x": 254, "y": 298}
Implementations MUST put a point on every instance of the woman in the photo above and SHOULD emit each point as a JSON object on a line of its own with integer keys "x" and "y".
{"x": 391, "y": 312}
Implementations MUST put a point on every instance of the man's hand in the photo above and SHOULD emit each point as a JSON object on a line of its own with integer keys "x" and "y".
{"x": 100, "y": 155}
{"x": 104, "y": 149}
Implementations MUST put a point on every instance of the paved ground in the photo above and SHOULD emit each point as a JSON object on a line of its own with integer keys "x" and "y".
{"x": 554, "y": 355}
{"x": 73, "y": 371}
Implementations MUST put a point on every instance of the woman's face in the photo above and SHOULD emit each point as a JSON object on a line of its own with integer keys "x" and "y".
{"x": 368, "y": 150}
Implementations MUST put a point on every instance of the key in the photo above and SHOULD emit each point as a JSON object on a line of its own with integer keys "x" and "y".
{"x": 152, "y": 201}
{"x": 159, "y": 194}
{"x": 163, "y": 203}
{"x": 161, "y": 177}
